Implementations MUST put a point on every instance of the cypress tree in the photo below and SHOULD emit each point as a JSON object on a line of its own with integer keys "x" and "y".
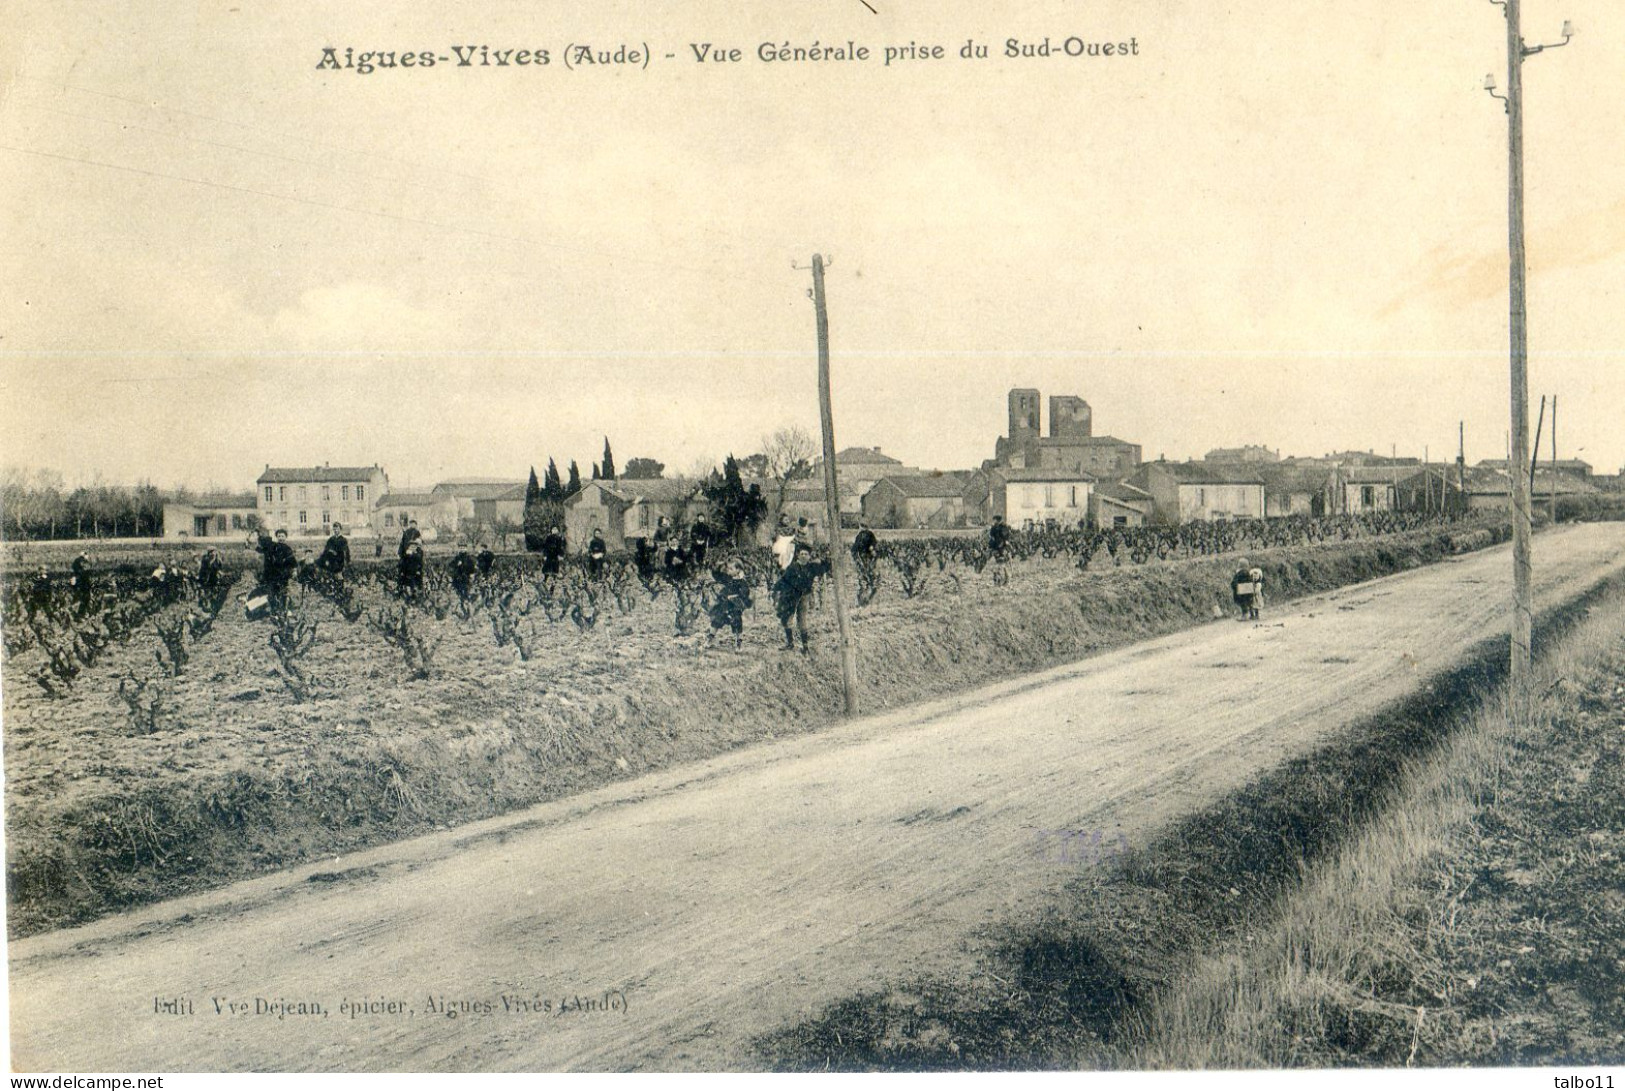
{"x": 609, "y": 462}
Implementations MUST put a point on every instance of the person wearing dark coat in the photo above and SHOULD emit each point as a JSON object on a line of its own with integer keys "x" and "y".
{"x": 1243, "y": 590}
{"x": 643, "y": 556}
{"x": 280, "y": 564}
{"x": 81, "y": 582}
{"x": 336, "y": 554}
{"x": 408, "y": 536}
{"x": 39, "y": 592}
{"x": 597, "y": 553}
{"x": 792, "y": 590}
{"x": 462, "y": 574}
{"x": 864, "y": 545}
{"x": 732, "y": 600}
{"x": 411, "y": 567}
{"x": 485, "y": 559}
{"x": 553, "y": 549}
{"x": 699, "y": 541}
{"x": 998, "y": 536}
{"x": 208, "y": 570}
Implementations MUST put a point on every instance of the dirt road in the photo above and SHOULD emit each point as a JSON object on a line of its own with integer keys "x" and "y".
{"x": 675, "y": 916}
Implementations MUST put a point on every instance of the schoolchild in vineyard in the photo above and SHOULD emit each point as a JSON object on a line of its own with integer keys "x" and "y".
{"x": 732, "y": 600}
{"x": 208, "y": 569}
{"x": 699, "y": 542}
{"x": 485, "y": 560}
{"x": 554, "y": 546}
{"x": 80, "y": 581}
{"x": 410, "y": 574}
{"x": 335, "y": 556}
{"x": 39, "y": 592}
{"x": 597, "y": 553}
{"x": 278, "y": 565}
{"x": 408, "y": 536}
{"x": 463, "y": 567}
{"x": 792, "y": 592}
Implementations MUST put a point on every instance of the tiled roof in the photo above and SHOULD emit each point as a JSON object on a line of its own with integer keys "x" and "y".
{"x": 413, "y": 499}
{"x": 288, "y": 475}
{"x": 1043, "y": 473}
{"x": 478, "y": 488}
{"x": 925, "y": 486}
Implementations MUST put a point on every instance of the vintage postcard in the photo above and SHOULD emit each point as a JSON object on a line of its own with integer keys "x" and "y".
{"x": 865, "y": 535}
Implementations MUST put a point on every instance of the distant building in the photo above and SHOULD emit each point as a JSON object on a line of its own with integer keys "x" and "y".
{"x": 856, "y": 471}
{"x": 1574, "y": 467}
{"x": 506, "y": 508}
{"x": 1490, "y": 487}
{"x": 435, "y": 515}
{"x": 1071, "y": 444}
{"x": 1119, "y": 504}
{"x": 1294, "y": 487}
{"x": 1250, "y": 453}
{"x": 309, "y": 500}
{"x": 466, "y": 492}
{"x": 1359, "y": 490}
{"x": 1040, "y": 496}
{"x": 627, "y": 509}
{"x": 219, "y": 517}
{"x": 916, "y": 500}
{"x": 1184, "y": 492}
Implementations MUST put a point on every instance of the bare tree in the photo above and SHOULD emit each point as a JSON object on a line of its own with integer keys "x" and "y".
{"x": 789, "y": 453}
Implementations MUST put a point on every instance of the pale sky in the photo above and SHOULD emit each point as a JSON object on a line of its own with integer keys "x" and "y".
{"x": 1281, "y": 223}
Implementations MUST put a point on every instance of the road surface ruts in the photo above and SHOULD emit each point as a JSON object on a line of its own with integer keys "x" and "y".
{"x": 729, "y": 897}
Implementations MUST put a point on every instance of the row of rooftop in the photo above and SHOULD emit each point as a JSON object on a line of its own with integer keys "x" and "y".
{"x": 1067, "y": 477}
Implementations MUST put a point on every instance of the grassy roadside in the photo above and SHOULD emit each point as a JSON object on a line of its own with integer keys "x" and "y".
{"x": 1167, "y": 957}
{"x": 1480, "y": 920}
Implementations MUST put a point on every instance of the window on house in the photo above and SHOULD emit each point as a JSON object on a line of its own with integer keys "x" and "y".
{"x": 302, "y": 519}
{"x": 268, "y": 494}
{"x": 304, "y": 493}
{"x": 236, "y": 522}
{"x": 326, "y": 518}
{"x": 282, "y": 493}
{"x": 1368, "y": 496}
{"x": 327, "y": 492}
{"x": 1119, "y": 520}
{"x": 361, "y": 492}
{"x": 1201, "y": 497}
{"x": 389, "y": 520}
{"x": 1074, "y": 501}
{"x": 344, "y": 492}
{"x": 1049, "y": 496}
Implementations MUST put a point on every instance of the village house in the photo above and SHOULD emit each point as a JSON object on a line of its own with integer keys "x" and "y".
{"x": 1119, "y": 504}
{"x": 1295, "y": 487}
{"x": 1574, "y": 467}
{"x": 1185, "y": 492}
{"x": 1491, "y": 487}
{"x": 1432, "y": 488}
{"x": 309, "y": 500}
{"x": 628, "y": 509}
{"x": 916, "y": 500}
{"x": 214, "y": 517}
{"x": 1248, "y": 453}
{"x": 436, "y": 516}
{"x": 856, "y": 471}
{"x": 1359, "y": 490}
{"x": 466, "y": 492}
{"x": 1036, "y": 497}
{"x": 505, "y": 509}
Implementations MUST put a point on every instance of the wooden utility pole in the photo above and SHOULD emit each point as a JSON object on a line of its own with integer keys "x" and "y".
{"x": 1523, "y": 616}
{"x": 837, "y": 554}
{"x": 1554, "y": 459}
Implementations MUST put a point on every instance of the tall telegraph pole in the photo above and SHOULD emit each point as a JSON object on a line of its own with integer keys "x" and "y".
{"x": 1518, "y": 454}
{"x": 837, "y": 555}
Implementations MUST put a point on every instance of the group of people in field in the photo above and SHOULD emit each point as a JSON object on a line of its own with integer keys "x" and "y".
{"x": 673, "y": 553}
